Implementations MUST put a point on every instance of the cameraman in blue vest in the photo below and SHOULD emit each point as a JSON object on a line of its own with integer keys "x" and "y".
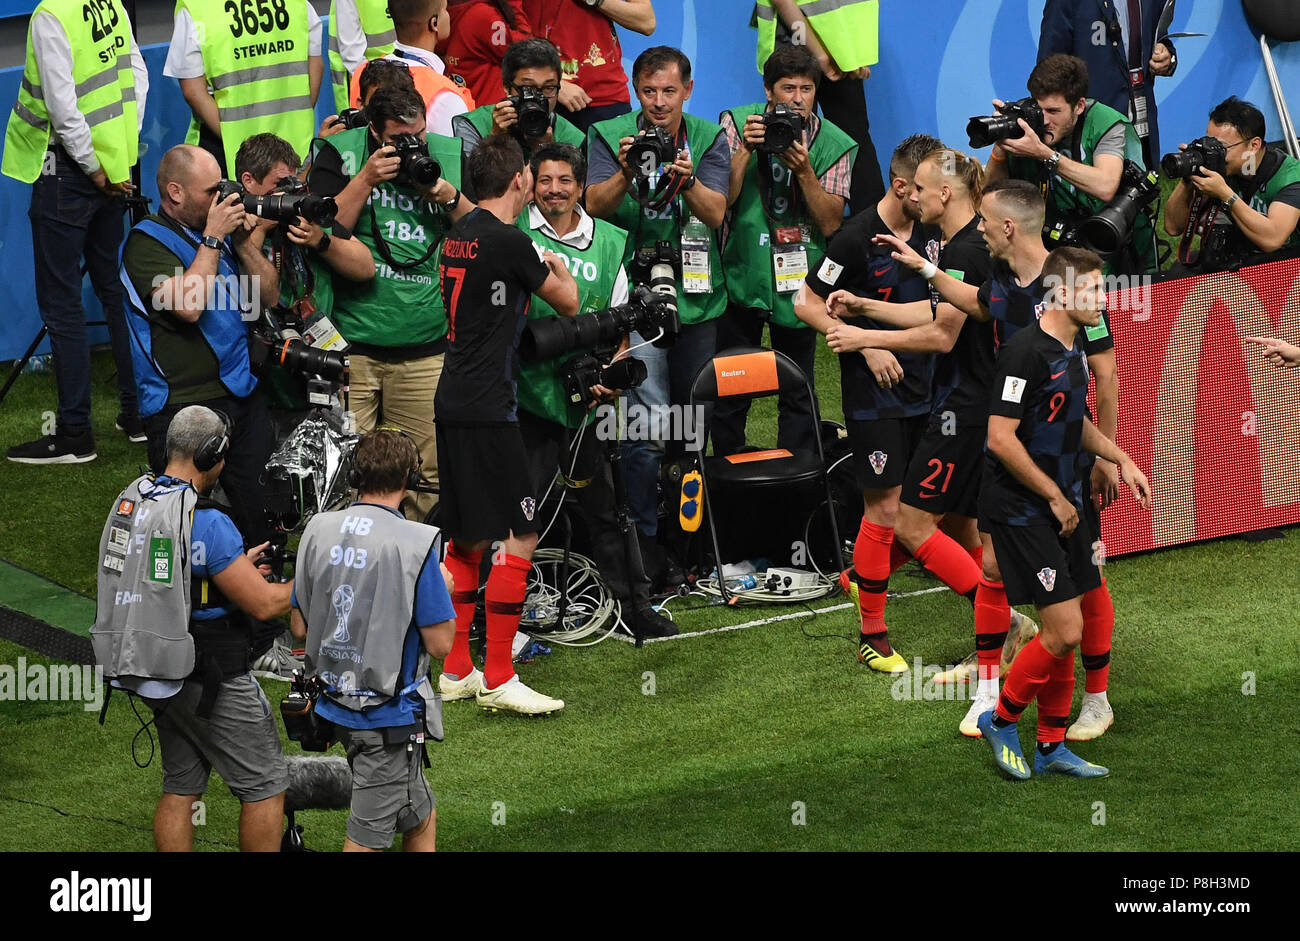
{"x": 195, "y": 278}
{"x": 371, "y": 600}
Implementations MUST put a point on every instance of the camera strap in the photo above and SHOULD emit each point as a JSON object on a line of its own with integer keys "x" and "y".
{"x": 301, "y": 275}
{"x": 386, "y": 253}
{"x": 669, "y": 185}
{"x": 1202, "y": 215}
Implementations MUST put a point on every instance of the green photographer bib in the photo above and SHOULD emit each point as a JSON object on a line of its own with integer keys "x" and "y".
{"x": 1288, "y": 172}
{"x": 565, "y": 132}
{"x": 399, "y": 307}
{"x": 762, "y": 255}
{"x": 646, "y": 225}
{"x": 540, "y": 387}
{"x": 1065, "y": 201}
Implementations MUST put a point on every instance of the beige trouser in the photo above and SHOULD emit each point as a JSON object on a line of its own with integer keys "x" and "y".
{"x": 401, "y": 395}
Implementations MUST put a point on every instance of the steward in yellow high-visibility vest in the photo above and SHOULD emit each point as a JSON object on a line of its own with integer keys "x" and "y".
{"x": 849, "y": 29}
{"x": 247, "y": 67}
{"x": 360, "y": 30}
{"x": 74, "y": 134}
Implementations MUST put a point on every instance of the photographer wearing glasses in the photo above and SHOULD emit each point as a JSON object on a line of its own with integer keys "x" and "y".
{"x": 395, "y": 186}
{"x": 530, "y": 73}
{"x": 790, "y": 177}
{"x": 1075, "y": 149}
{"x": 1241, "y": 197}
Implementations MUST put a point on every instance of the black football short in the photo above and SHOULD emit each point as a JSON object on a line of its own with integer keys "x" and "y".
{"x": 881, "y": 449}
{"x": 944, "y": 473}
{"x": 1040, "y": 568}
{"x": 486, "y": 489}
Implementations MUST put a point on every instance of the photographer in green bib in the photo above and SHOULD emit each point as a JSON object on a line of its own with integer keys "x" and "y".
{"x": 396, "y": 189}
{"x": 1077, "y": 156}
{"x": 561, "y": 435}
{"x": 664, "y": 176}
{"x": 308, "y": 257}
{"x": 530, "y": 74}
{"x": 244, "y": 69}
{"x": 1239, "y": 196}
{"x": 791, "y": 173}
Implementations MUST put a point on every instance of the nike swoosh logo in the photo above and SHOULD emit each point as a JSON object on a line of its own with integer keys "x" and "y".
{"x": 928, "y": 496}
{"x": 1058, "y": 375}
{"x": 881, "y": 272}
{"x": 996, "y": 300}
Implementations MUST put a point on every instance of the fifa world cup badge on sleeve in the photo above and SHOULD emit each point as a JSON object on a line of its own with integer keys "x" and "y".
{"x": 1013, "y": 389}
{"x": 829, "y": 271}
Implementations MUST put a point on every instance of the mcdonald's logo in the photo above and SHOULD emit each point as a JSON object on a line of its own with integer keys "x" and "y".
{"x": 1276, "y": 396}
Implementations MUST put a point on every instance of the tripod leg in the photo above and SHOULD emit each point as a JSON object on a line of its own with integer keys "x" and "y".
{"x": 19, "y": 365}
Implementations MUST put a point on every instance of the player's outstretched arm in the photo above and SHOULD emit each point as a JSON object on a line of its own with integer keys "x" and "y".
{"x": 1010, "y": 450}
{"x": 559, "y": 289}
{"x": 936, "y": 336}
{"x": 963, "y": 296}
{"x": 1277, "y": 352}
{"x": 1104, "y": 448}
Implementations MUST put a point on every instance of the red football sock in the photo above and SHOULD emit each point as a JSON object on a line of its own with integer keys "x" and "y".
{"x": 464, "y": 568}
{"x": 898, "y": 556}
{"x": 992, "y": 615}
{"x": 506, "y": 586}
{"x": 978, "y": 555}
{"x": 1026, "y": 678}
{"x": 1054, "y": 700}
{"x": 1098, "y": 627}
{"x": 941, "y": 555}
{"x": 871, "y": 571}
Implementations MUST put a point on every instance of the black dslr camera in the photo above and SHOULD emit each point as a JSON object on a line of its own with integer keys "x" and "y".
{"x": 277, "y": 338}
{"x": 291, "y": 201}
{"x": 532, "y": 113}
{"x": 583, "y": 372}
{"x": 650, "y": 311}
{"x": 352, "y": 118}
{"x": 1108, "y": 230}
{"x": 783, "y": 127}
{"x": 298, "y": 709}
{"x": 417, "y": 168}
{"x": 1005, "y": 125}
{"x": 1207, "y": 152}
{"x": 652, "y": 149}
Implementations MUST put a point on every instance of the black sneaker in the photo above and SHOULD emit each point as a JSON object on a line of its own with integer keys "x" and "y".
{"x": 55, "y": 449}
{"x": 650, "y": 623}
{"x": 132, "y": 426}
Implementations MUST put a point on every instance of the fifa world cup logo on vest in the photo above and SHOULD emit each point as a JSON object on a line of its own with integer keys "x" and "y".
{"x": 343, "y": 599}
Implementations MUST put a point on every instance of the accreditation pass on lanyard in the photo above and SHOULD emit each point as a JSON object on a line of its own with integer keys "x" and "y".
{"x": 697, "y": 278}
{"x": 789, "y": 258}
{"x": 1139, "y": 100}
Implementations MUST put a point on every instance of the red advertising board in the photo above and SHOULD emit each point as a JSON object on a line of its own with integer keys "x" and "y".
{"x": 1214, "y": 427}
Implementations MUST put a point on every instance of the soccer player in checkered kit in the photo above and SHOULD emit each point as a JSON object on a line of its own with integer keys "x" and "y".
{"x": 886, "y": 396}
{"x": 1032, "y": 499}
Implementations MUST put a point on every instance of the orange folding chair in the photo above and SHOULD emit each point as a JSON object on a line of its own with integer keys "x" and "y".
{"x": 754, "y": 372}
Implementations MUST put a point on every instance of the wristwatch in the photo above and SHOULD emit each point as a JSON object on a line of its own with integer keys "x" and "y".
{"x": 1053, "y": 161}
{"x": 690, "y": 183}
{"x": 1227, "y": 205}
{"x": 594, "y": 3}
{"x": 211, "y": 241}
{"x": 451, "y": 204}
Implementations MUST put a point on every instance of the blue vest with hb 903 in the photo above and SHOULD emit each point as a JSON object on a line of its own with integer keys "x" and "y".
{"x": 221, "y": 325}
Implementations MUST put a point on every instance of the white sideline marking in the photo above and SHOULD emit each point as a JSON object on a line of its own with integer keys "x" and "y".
{"x": 776, "y": 617}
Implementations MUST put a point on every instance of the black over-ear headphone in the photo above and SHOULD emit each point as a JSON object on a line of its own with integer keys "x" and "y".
{"x": 412, "y": 481}
{"x": 214, "y": 447}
